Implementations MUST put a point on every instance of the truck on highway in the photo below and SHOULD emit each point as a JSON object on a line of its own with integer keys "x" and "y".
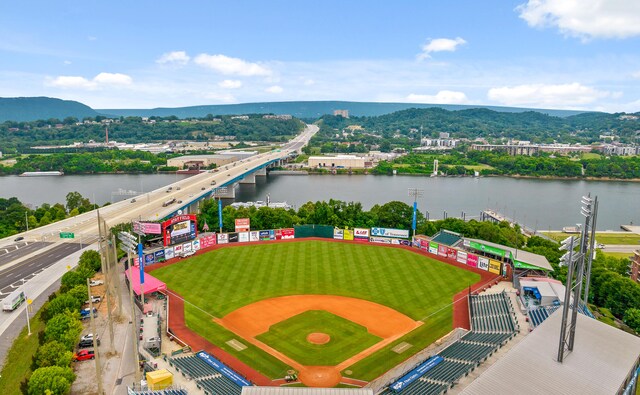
{"x": 14, "y": 300}
{"x": 169, "y": 202}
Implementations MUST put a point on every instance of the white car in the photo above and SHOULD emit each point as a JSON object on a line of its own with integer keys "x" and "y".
{"x": 94, "y": 299}
{"x": 88, "y": 336}
{"x": 93, "y": 283}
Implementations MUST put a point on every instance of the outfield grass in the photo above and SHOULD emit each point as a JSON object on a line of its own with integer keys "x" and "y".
{"x": 17, "y": 365}
{"x": 221, "y": 281}
{"x": 290, "y": 337}
{"x": 618, "y": 238}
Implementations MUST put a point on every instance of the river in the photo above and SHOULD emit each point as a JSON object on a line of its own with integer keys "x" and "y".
{"x": 539, "y": 203}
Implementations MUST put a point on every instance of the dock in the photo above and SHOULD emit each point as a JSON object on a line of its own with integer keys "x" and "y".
{"x": 495, "y": 216}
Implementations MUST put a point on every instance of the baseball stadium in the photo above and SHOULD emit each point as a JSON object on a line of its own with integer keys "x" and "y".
{"x": 350, "y": 311}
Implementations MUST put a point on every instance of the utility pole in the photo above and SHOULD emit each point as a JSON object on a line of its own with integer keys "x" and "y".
{"x": 134, "y": 333}
{"x": 95, "y": 341}
{"x": 26, "y": 220}
{"x": 116, "y": 274}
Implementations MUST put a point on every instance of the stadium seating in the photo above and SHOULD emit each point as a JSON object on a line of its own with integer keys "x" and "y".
{"x": 219, "y": 385}
{"x": 492, "y": 314}
{"x": 162, "y": 392}
{"x": 193, "y": 366}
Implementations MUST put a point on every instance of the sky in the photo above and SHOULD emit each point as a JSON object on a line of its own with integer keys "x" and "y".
{"x": 556, "y": 54}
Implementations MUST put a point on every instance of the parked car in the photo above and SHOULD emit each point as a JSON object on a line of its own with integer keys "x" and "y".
{"x": 88, "y": 336}
{"x": 87, "y": 343}
{"x": 203, "y": 188}
{"x": 94, "y": 283}
{"x": 179, "y": 201}
{"x": 177, "y": 188}
{"x": 84, "y": 355}
{"x": 94, "y": 299}
{"x": 85, "y": 313}
{"x": 600, "y": 245}
{"x": 133, "y": 200}
{"x": 19, "y": 238}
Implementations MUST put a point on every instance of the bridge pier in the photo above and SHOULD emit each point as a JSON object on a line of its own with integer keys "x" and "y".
{"x": 261, "y": 172}
{"x": 227, "y": 192}
{"x": 248, "y": 179}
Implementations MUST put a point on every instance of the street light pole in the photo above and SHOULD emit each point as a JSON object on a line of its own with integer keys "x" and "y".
{"x": 415, "y": 193}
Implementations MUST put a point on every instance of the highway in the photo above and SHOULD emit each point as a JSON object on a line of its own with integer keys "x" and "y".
{"x": 19, "y": 261}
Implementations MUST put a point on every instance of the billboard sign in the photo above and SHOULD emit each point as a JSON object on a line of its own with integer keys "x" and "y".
{"x": 149, "y": 259}
{"x": 442, "y": 250}
{"x": 495, "y": 267}
{"x": 243, "y": 224}
{"x": 452, "y": 253}
{"x": 488, "y": 249}
{"x": 288, "y": 233}
{"x": 472, "y": 260}
{"x": 178, "y": 229}
{"x": 462, "y": 257}
{"x": 223, "y": 369}
{"x": 159, "y": 256}
{"x": 207, "y": 241}
{"x": 348, "y": 234}
{"x": 390, "y": 232}
{"x": 187, "y": 248}
{"x": 177, "y": 250}
{"x": 264, "y": 235}
{"x": 483, "y": 263}
{"x": 415, "y": 374}
{"x": 254, "y": 236}
{"x": 361, "y": 234}
{"x": 381, "y": 240}
{"x": 195, "y": 245}
{"x": 233, "y": 237}
{"x": 433, "y": 248}
{"x": 278, "y": 233}
{"x": 147, "y": 228}
{"x": 168, "y": 253}
{"x": 243, "y": 237}
{"x": 223, "y": 238}
{"x": 272, "y": 234}
{"x": 338, "y": 234}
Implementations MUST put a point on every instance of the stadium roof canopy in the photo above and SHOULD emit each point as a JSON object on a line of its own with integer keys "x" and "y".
{"x": 305, "y": 391}
{"x": 523, "y": 259}
{"x": 602, "y": 359}
{"x": 447, "y": 237}
{"x": 151, "y": 284}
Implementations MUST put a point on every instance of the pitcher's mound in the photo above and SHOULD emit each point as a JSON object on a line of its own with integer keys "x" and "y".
{"x": 320, "y": 376}
{"x": 318, "y": 338}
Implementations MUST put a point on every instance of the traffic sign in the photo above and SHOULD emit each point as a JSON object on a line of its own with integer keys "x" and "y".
{"x": 67, "y": 235}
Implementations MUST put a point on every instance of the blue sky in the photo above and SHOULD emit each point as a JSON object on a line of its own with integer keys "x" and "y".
{"x": 140, "y": 54}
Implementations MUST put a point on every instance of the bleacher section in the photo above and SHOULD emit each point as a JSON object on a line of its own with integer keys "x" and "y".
{"x": 493, "y": 324}
{"x": 539, "y": 314}
{"x": 162, "y": 392}
{"x": 207, "y": 378}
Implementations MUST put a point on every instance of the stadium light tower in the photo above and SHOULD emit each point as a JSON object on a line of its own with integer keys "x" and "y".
{"x": 415, "y": 193}
{"x": 575, "y": 262}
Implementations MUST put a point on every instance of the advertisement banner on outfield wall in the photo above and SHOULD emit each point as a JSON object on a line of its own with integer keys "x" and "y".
{"x": 483, "y": 263}
{"x": 288, "y": 233}
{"x": 223, "y": 238}
{"x": 390, "y": 232}
{"x": 361, "y": 234}
{"x": 149, "y": 259}
{"x": 254, "y": 236}
{"x": 264, "y": 235}
{"x": 272, "y": 234}
{"x": 381, "y": 240}
{"x": 243, "y": 237}
{"x": 177, "y": 249}
{"x": 487, "y": 249}
{"x": 442, "y": 250}
{"x": 195, "y": 245}
{"x": 207, "y": 241}
{"x": 462, "y": 257}
{"x": 233, "y": 237}
{"x": 348, "y": 234}
{"x": 472, "y": 260}
{"x": 495, "y": 266}
{"x": 159, "y": 256}
{"x": 278, "y": 234}
{"x": 452, "y": 253}
{"x": 338, "y": 234}
{"x": 433, "y": 248}
{"x": 416, "y": 242}
{"x": 187, "y": 248}
{"x": 168, "y": 253}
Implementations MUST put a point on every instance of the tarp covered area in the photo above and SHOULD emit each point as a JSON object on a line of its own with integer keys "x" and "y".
{"x": 159, "y": 379}
{"x": 151, "y": 284}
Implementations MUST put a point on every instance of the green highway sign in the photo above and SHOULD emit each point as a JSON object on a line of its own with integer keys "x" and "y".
{"x": 67, "y": 235}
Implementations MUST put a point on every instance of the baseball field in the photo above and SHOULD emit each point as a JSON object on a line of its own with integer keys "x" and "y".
{"x": 356, "y": 310}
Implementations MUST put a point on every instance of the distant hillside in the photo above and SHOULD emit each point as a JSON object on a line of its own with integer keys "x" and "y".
{"x": 310, "y": 109}
{"x": 35, "y": 108}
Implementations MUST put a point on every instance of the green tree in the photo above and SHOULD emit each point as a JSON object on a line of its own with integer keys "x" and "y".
{"x": 632, "y": 318}
{"x": 79, "y": 293}
{"x": 61, "y": 303}
{"x": 91, "y": 259}
{"x": 65, "y": 328}
{"x": 53, "y": 353}
{"x": 70, "y": 279}
{"x": 54, "y": 380}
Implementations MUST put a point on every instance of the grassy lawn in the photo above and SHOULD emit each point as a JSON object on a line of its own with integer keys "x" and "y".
{"x": 478, "y": 167}
{"x": 17, "y": 364}
{"x": 591, "y": 155}
{"x": 620, "y": 238}
{"x": 223, "y": 280}
{"x": 290, "y": 338}
{"x": 618, "y": 254}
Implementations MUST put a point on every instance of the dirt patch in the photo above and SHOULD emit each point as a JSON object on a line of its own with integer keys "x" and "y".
{"x": 400, "y": 348}
{"x": 320, "y": 376}
{"x": 236, "y": 345}
{"x": 318, "y": 338}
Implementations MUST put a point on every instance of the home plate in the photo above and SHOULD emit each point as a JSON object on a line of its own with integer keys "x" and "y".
{"x": 236, "y": 345}
{"x": 402, "y": 347}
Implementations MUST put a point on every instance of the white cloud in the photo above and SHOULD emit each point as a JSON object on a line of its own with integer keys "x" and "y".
{"x": 636, "y": 74}
{"x": 175, "y": 57}
{"x": 572, "y": 95}
{"x": 440, "y": 45}
{"x": 230, "y": 84}
{"x": 274, "y": 89}
{"x": 442, "y": 97}
{"x": 585, "y": 18}
{"x": 92, "y": 38}
{"x": 309, "y": 81}
{"x": 67, "y": 62}
{"x": 231, "y": 66}
{"x": 100, "y": 80}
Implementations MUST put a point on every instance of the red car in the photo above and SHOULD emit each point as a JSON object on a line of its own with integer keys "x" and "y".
{"x": 84, "y": 355}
